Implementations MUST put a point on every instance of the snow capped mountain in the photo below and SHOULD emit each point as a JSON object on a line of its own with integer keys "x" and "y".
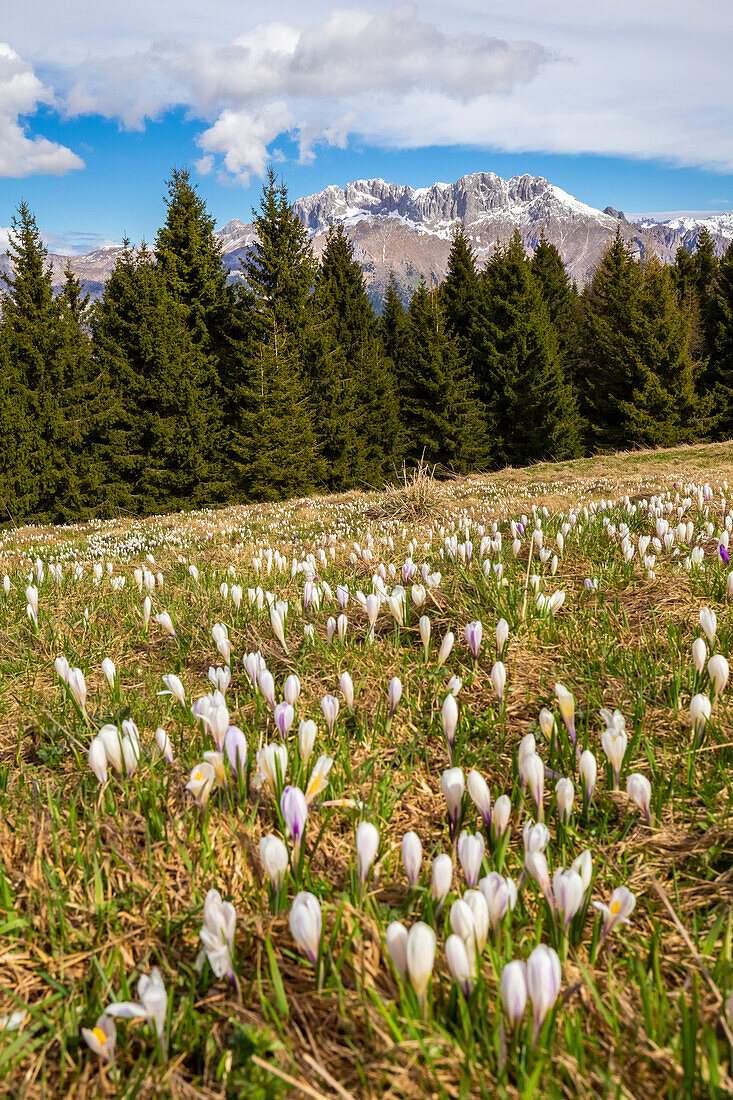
{"x": 394, "y": 227}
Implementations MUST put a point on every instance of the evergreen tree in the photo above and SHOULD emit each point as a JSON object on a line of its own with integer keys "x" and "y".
{"x": 706, "y": 265}
{"x": 160, "y": 448}
{"x": 562, "y": 301}
{"x": 443, "y": 419}
{"x": 355, "y": 404}
{"x": 392, "y": 324}
{"x": 272, "y": 450}
{"x": 720, "y": 374}
{"x": 280, "y": 269}
{"x": 459, "y": 292}
{"x": 190, "y": 258}
{"x": 520, "y": 371}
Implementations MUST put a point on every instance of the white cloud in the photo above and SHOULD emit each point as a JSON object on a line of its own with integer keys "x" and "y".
{"x": 21, "y": 93}
{"x": 243, "y": 138}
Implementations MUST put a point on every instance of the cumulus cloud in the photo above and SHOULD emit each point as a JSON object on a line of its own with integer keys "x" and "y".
{"x": 21, "y": 93}
{"x": 275, "y": 79}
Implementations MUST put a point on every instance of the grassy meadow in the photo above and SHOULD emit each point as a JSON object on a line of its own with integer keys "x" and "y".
{"x": 127, "y": 798}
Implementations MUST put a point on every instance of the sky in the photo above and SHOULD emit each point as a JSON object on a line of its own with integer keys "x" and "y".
{"x": 624, "y": 103}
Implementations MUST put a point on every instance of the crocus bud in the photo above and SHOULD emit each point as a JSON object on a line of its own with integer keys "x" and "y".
{"x": 330, "y": 708}
{"x": 294, "y": 808}
{"x": 567, "y": 890}
{"x": 476, "y": 902}
{"x": 164, "y": 621}
{"x": 452, "y": 784}
{"x": 396, "y": 940}
{"x": 498, "y": 679}
{"x": 442, "y": 877}
{"x": 62, "y": 668}
{"x": 500, "y": 895}
{"x": 547, "y": 721}
{"x": 445, "y": 648}
{"x": 394, "y": 695}
{"x": 462, "y": 969}
{"x": 514, "y": 992}
{"x": 536, "y": 836}
{"x": 98, "y": 760}
{"x": 566, "y": 702}
{"x": 474, "y": 634}
{"x": 235, "y": 747}
{"x": 305, "y": 924}
{"x": 291, "y": 690}
{"x": 699, "y": 654}
{"x": 450, "y": 721}
{"x": 163, "y": 741}
{"x": 367, "y": 843}
{"x": 588, "y": 771}
{"x": 536, "y": 865}
{"x": 639, "y": 790}
{"x": 584, "y": 866}
{"x": 109, "y": 671}
{"x": 718, "y": 672}
{"x": 527, "y": 748}
{"x": 480, "y": 795}
{"x": 306, "y": 738}
{"x": 77, "y": 687}
{"x": 614, "y": 742}
{"x": 534, "y": 771}
{"x": 274, "y": 857}
{"x": 700, "y": 710}
{"x": 544, "y": 978}
{"x": 175, "y": 688}
{"x": 470, "y": 851}
{"x": 266, "y": 684}
{"x": 283, "y": 715}
{"x": 278, "y": 626}
{"x": 411, "y": 856}
{"x": 425, "y": 634}
{"x": 501, "y": 815}
{"x": 565, "y": 793}
{"x": 347, "y": 689}
{"x": 708, "y": 622}
{"x": 421, "y": 946}
{"x": 502, "y": 633}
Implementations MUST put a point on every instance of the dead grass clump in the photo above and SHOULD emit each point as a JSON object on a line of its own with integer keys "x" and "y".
{"x": 417, "y": 496}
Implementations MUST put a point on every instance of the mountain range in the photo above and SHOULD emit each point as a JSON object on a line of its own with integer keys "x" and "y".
{"x": 409, "y": 230}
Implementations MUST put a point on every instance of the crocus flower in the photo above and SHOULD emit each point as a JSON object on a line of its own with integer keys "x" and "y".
{"x": 278, "y": 626}
{"x": 474, "y": 634}
{"x": 708, "y": 622}
{"x": 450, "y": 721}
{"x": 274, "y": 857}
{"x": 566, "y": 703}
{"x": 284, "y": 716}
{"x": 396, "y": 941}
{"x": 424, "y": 625}
{"x": 442, "y": 877}
{"x": 470, "y": 849}
{"x": 480, "y": 795}
{"x": 546, "y": 721}
{"x": 330, "y": 708}
{"x": 588, "y": 770}
{"x": 163, "y": 742}
{"x": 319, "y": 778}
{"x": 235, "y": 747}
{"x": 718, "y": 672}
{"x": 500, "y": 895}
{"x": 498, "y": 679}
{"x": 102, "y": 1038}
{"x": 584, "y": 866}
{"x": 220, "y": 635}
{"x": 174, "y": 687}
{"x": 618, "y": 910}
{"x": 421, "y": 945}
{"x": 217, "y": 934}
{"x": 395, "y": 694}
{"x": 151, "y": 1005}
{"x": 534, "y": 771}
{"x": 165, "y": 622}
{"x": 536, "y": 836}
{"x": 700, "y": 710}
{"x": 266, "y": 684}
{"x": 306, "y": 923}
{"x": 294, "y": 808}
{"x": 445, "y": 648}
{"x": 567, "y": 890}
{"x": 544, "y": 978}
{"x": 272, "y": 761}
{"x": 514, "y": 992}
{"x": 462, "y": 968}
{"x": 411, "y": 856}
{"x": 291, "y": 690}
{"x": 109, "y": 735}
{"x": 501, "y": 816}
{"x": 109, "y": 671}
{"x": 62, "y": 668}
{"x": 307, "y": 731}
{"x": 527, "y": 748}
{"x": 502, "y": 634}
{"x": 614, "y": 742}
{"x": 367, "y": 843}
{"x": 347, "y": 689}
{"x": 77, "y": 687}
{"x": 452, "y": 784}
{"x": 97, "y": 758}
{"x": 565, "y": 793}
{"x": 639, "y": 790}
{"x": 536, "y": 866}
{"x": 699, "y": 654}
{"x": 201, "y": 782}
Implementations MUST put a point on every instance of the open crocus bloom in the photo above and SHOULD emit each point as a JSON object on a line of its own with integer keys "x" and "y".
{"x": 151, "y": 1006}
{"x": 201, "y": 781}
{"x": 101, "y": 1038}
{"x": 618, "y": 910}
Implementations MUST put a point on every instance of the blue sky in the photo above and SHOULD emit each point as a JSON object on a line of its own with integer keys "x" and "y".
{"x": 618, "y": 103}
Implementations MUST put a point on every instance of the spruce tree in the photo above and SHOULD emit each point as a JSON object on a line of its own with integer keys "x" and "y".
{"x": 706, "y": 265}
{"x": 460, "y": 289}
{"x": 443, "y": 419}
{"x": 562, "y": 301}
{"x": 720, "y": 372}
{"x": 520, "y": 371}
{"x": 160, "y": 447}
{"x": 355, "y": 405}
{"x": 190, "y": 258}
